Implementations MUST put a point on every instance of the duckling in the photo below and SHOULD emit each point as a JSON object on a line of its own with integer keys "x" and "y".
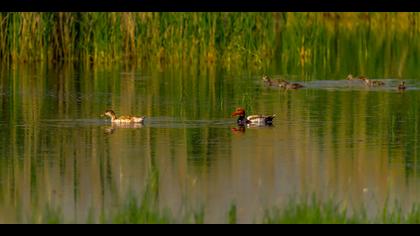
{"x": 294, "y": 86}
{"x": 268, "y": 81}
{"x": 286, "y": 85}
{"x": 402, "y": 86}
{"x": 350, "y": 77}
{"x": 373, "y": 83}
{"x": 360, "y": 77}
{"x": 377, "y": 83}
{"x": 282, "y": 83}
{"x": 123, "y": 119}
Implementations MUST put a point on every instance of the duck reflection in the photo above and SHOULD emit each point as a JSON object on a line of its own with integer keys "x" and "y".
{"x": 239, "y": 129}
{"x": 111, "y": 129}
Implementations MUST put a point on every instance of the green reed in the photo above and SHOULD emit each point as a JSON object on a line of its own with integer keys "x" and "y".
{"x": 309, "y": 211}
{"x": 316, "y": 212}
{"x": 294, "y": 40}
{"x": 312, "y": 211}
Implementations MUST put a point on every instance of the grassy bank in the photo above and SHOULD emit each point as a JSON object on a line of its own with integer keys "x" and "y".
{"x": 315, "y": 212}
{"x": 230, "y": 39}
{"x": 310, "y": 211}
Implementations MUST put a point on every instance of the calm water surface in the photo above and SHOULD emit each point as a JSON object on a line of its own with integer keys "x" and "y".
{"x": 334, "y": 138}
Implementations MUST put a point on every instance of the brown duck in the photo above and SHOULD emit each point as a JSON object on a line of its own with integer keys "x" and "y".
{"x": 372, "y": 83}
{"x": 360, "y": 77}
{"x": 123, "y": 119}
{"x": 286, "y": 85}
{"x": 269, "y": 81}
{"x": 402, "y": 86}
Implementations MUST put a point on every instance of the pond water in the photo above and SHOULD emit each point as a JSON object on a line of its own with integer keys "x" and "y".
{"x": 334, "y": 138}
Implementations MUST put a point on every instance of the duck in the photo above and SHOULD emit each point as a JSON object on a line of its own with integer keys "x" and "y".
{"x": 268, "y": 81}
{"x": 373, "y": 83}
{"x": 257, "y": 120}
{"x": 286, "y": 85}
{"x": 360, "y": 77}
{"x": 377, "y": 83}
{"x": 402, "y": 86}
{"x": 123, "y": 119}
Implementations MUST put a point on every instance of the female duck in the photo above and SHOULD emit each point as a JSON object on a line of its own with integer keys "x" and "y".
{"x": 361, "y": 77}
{"x": 258, "y": 120}
{"x": 123, "y": 119}
{"x": 373, "y": 82}
{"x": 286, "y": 85}
{"x": 402, "y": 86}
{"x": 268, "y": 81}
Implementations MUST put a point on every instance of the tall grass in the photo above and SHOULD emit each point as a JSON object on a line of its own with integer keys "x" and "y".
{"x": 311, "y": 211}
{"x": 230, "y": 39}
{"x": 138, "y": 37}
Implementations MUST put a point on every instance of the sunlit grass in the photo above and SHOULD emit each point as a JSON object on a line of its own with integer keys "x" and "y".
{"x": 295, "y": 40}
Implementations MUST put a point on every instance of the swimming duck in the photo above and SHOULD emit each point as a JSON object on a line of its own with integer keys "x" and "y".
{"x": 258, "y": 120}
{"x": 268, "y": 81}
{"x": 378, "y": 83}
{"x": 360, "y": 77}
{"x": 402, "y": 86}
{"x": 286, "y": 85}
{"x": 123, "y": 119}
{"x": 373, "y": 83}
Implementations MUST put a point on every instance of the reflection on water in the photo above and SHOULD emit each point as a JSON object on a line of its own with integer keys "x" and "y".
{"x": 331, "y": 138}
{"x": 111, "y": 129}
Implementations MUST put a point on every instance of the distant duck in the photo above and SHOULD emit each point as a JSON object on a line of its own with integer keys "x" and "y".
{"x": 360, "y": 77}
{"x": 123, "y": 119}
{"x": 258, "y": 120}
{"x": 377, "y": 83}
{"x": 350, "y": 77}
{"x": 286, "y": 85}
{"x": 372, "y": 83}
{"x": 268, "y": 81}
{"x": 402, "y": 86}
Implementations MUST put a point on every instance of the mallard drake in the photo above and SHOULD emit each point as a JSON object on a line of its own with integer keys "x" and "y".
{"x": 258, "y": 120}
{"x": 123, "y": 119}
{"x": 286, "y": 85}
{"x": 402, "y": 86}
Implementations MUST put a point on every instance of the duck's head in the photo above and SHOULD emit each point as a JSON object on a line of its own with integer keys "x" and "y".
{"x": 239, "y": 112}
{"x": 350, "y": 77}
{"x": 266, "y": 79}
{"x": 109, "y": 113}
{"x": 402, "y": 83}
{"x": 364, "y": 78}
